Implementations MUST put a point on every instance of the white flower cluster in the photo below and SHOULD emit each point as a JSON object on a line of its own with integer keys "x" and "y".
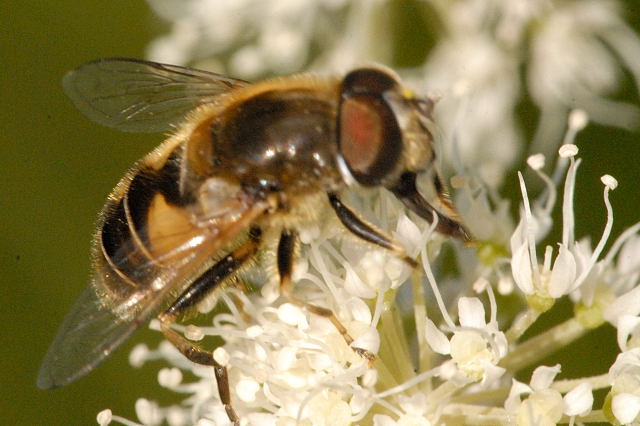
{"x": 569, "y": 53}
{"x": 453, "y": 361}
{"x": 288, "y": 366}
{"x": 250, "y": 38}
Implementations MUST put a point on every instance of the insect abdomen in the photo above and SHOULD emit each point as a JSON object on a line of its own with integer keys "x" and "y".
{"x": 144, "y": 229}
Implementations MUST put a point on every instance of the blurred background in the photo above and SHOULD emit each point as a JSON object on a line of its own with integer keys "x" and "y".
{"x": 57, "y": 168}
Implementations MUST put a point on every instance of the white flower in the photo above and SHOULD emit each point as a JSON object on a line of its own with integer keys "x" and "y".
{"x": 148, "y": 412}
{"x": 545, "y": 405}
{"x": 575, "y": 262}
{"x": 579, "y": 401}
{"x": 575, "y": 56}
{"x": 414, "y": 409}
{"x": 479, "y": 83}
{"x": 475, "y": 347}
{"x": 624, "y": 376}
{"x": 254, "y": 37}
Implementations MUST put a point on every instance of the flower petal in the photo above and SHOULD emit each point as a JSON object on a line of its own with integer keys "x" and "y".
{"x": 578, "y": 401}
{"x": 626, "y": 304}
{"x": 563, "y": 273}
{"x": 629, "y": 257}
{"x": 543, "y": 376}
{"x": 627, "y": 325}
{"x": 356, "y": 286}
{"x": 408, "y": 233}
{"x": 369, "y": 340}
{"x": 436, "y": 339}
{"x": 512, "y": 402}
{"x": 383, "y": 420}
{"x": 625, "y": 407}
{"x": 521, "y": 268}
{"x": 471, "y": 312}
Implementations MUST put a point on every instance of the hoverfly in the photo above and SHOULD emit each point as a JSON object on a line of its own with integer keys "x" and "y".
{"x": 246, "y": 164}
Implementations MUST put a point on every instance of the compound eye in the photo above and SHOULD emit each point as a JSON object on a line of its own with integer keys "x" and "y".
{"x": 370, "y": 139}
{"x": 361, "y": 133}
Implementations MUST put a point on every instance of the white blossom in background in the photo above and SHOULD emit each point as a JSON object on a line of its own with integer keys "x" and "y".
{"x": 572, "y": 54}
{"x": 447, "y": 354}
{"x": 251, "y": 38}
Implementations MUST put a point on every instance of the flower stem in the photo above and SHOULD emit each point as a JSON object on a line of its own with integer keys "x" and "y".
{"x": 543, "y": 344}
{"x": 465, "y": 414}
{"x": 425, "y": 353}
{"x": 522, "y": 324}
{"x": 397, "y": 366}
{"x": 442, "y": 393}
{"x": 597, "y": 382}
{"x": 498, "y": 394}
{"x": 595, "y": 416}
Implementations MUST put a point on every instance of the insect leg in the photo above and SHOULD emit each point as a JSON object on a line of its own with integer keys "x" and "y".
{"x": 286, "y": 259}
{"x": 194, "y": 294}
{"x": 367, "y": 231}
{"x": 448, "y": 223}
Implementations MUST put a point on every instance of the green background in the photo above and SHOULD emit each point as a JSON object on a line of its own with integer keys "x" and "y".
{"x": 57, "y": 167}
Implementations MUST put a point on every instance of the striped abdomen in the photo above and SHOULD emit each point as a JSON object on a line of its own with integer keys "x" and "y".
{"x": 145, "y": 236}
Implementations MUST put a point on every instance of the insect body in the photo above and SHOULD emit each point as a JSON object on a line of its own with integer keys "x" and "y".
{"x": 247, "y": 163}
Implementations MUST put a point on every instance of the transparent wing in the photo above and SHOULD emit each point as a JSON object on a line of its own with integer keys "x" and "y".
{"x": 91, "y": 331}
{"x": 88, "y": 334}
{"x": 141, "y": 96}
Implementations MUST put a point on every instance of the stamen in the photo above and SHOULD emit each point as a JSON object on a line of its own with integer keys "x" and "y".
{"x": 576, "y": 119}
{"x": 148, "y": 411}
{"x": 605, "y": 234}
{"x": 221, "y": 356}
{"x": 431, "y": 278}
{"x": 536, "y": 162}
{"x": 139, "y": 355}
{"x": 169, "y": 377}
{"x": 254, "y": 331}
{"x": 246, "y": 390}
{"x": 546, "y": 263}
{"x": 104, "y": 417}
{"x": 568, "y": 150}
{"x": 193, "y": 332}
{"x": 609, "y": 181}
{"x": 409, "y": 383}
{"x": 493, "y": 306}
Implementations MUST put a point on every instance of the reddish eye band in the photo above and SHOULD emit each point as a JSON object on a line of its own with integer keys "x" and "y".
{"x": 369, "y": 137}
{"x": 361, "y": 133}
